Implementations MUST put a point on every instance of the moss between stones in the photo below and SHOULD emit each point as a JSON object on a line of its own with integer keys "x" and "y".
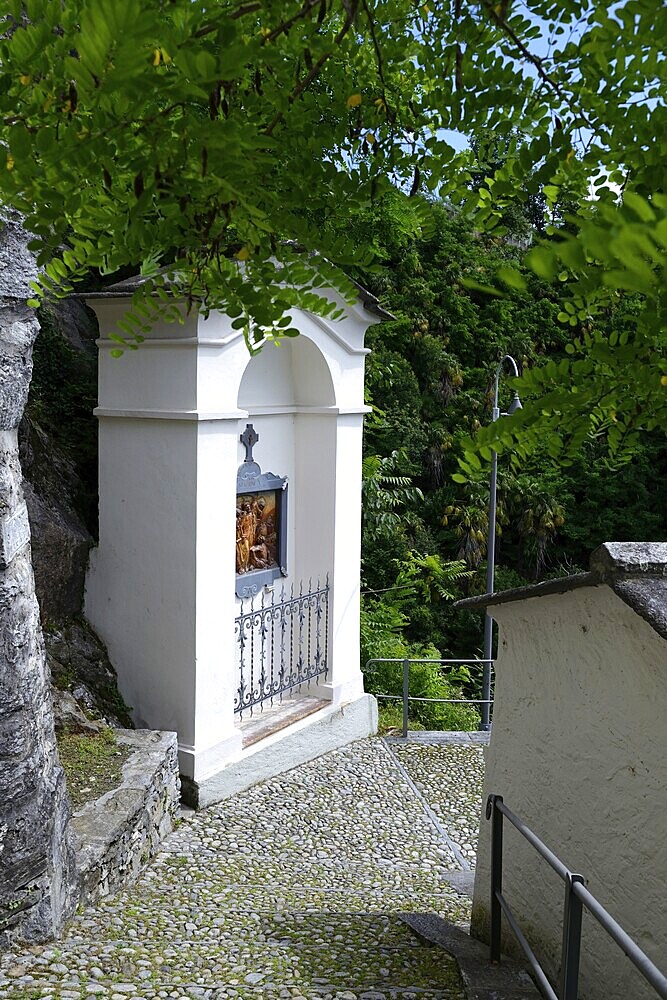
{"x": 93, "y": 764}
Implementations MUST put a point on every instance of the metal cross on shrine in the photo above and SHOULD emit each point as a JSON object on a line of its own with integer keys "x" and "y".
{"x": 249, "y": 438}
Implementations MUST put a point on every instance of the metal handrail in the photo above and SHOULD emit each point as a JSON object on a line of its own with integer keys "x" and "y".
{"x": 406, "y": 697}
{"x": 577, "y": 896}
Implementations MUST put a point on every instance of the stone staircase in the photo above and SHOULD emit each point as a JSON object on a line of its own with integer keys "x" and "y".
{"x": 331, "y": 882}
{"x": 307, "y": 955}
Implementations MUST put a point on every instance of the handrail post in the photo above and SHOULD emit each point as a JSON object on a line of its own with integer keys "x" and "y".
{"x": 406, "y": 691}
{"x": 496, "y": 817}
{"x": 572, "y": 914}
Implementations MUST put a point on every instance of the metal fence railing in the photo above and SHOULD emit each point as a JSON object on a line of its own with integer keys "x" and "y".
{"x": 405, "y": 697}
{"x": 577, "y": 897}
{"x": 281, "y": 644}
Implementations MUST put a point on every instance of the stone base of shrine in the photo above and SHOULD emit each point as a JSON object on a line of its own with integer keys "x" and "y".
{"x": 325, "y": 727}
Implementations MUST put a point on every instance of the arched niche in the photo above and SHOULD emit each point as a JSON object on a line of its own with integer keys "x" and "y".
{"x": 292, "y": 372}
{"x": 288, "y": 392}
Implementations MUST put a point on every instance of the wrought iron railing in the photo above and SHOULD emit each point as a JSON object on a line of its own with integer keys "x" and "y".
{"x": 577, "y": 897}
{"x": 281, "y": 644}
{"x": 405, "y": 697}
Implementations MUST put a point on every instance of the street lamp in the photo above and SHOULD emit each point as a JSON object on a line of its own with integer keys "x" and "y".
{"x": 515, "y": 405}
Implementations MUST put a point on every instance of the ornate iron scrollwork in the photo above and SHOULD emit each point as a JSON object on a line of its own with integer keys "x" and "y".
{"x": 281, "y": 644}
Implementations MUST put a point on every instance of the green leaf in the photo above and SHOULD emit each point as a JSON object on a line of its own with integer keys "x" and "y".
{"x": 543, "y": 263}
{"x": 512, "y": 278}
{"x": 476, "y": 286}
{"x": 639, "y": 206}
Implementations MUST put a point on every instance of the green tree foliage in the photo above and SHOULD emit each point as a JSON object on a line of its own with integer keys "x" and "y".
{"x": 410, "y": 581}
{"x": 384, "y": 492}
{"x": 432, "y": 372}
{"x": 205, "y": 137}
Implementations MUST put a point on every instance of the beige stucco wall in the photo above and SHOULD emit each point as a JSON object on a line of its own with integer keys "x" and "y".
{"x": 579, "y": 750}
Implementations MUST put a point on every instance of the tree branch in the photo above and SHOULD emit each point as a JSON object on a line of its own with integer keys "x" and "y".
{"x": 315, "y": 70}
{"x": 248, "y": 8}
{"x": 283, "y": 28}
{"x": 376, "y": 46}
{"x": 298, "y": 90}
{"x": 534, "y": 60}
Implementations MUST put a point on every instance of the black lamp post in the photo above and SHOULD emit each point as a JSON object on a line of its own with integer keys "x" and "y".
{"x": 515, "y": 405}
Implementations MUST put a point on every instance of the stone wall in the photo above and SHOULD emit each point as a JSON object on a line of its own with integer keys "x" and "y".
{"x": 60, "y": 539}
{"x": 37, "y": 874}
{"x": 119, "y": 832}
{"x": 57, "y": 442}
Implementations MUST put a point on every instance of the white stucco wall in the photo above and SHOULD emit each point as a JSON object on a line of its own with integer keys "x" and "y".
{"x": 578, "y": 751}
{"x": 292, "y": 394}
{"x": 142, "y": 580}
{"x": 161, "y": 587}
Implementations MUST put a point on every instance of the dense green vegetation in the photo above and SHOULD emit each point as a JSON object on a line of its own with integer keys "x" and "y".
{"x": 430, "y": 380}
{"x": 194, "y": 139}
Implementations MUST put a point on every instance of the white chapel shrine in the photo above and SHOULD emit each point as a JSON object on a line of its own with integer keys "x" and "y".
{"x": 226, "y": 580}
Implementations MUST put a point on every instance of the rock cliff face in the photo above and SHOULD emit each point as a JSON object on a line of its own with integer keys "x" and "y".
{"x": 80, "y": 665}
{"x": 58, "y": 452}
{"x": 37, "y": 873}
{"x": 57, "y": 440}
{"x": 60, "y": 539}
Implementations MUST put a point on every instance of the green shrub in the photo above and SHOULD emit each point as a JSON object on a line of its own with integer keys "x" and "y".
{"x": 382, "y": 637}
{"x": 390, "y": 719}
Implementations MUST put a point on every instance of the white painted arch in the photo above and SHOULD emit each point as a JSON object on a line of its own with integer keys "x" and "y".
{"x": 293, "y": 373}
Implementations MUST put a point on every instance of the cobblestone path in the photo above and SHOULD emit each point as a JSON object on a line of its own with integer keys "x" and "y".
{"x": 290, "y": 889}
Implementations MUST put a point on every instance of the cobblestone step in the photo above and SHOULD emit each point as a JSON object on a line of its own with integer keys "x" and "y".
{"x": 191, "y": 979}
{"x": 359, "y": 930}
{"x": 345, "y": 878}
{"x": 271, "y": 958}
{"x": 435, "y": 738}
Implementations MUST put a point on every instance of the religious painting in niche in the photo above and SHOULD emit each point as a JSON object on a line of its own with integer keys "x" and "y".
{"x": 261, "y": 523}
{"x": 257, "y": 531}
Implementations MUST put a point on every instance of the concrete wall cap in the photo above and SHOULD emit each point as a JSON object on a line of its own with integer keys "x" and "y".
{"x": 127, "y": 287}
{"x": 635, "y": 571}
{"x": 557, "y": 586}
